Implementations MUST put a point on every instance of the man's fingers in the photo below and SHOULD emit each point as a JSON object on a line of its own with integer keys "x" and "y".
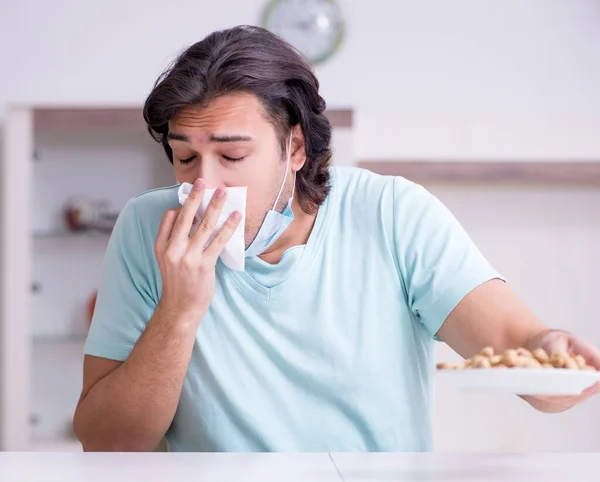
{"x": 562, "y": 342}
{"x": 164, "y": 230}
{"x": 185, "y": 219}
{"x": 211, "y": 216}
{"x": 563, "y": 402}
{"x": 588, "y": 352}
{"x": 223, "y": 236}
{"x": 559, "y": 344}
{"x": 593, "y": 390}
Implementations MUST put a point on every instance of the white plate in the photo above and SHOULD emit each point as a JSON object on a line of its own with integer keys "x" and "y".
{"x": 521, "y": 381}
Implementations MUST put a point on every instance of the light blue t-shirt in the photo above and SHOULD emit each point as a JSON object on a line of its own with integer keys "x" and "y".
{"x": 330, "y": 350}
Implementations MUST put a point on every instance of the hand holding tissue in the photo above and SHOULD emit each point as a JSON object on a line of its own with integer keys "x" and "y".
{"x": 233, "y": 255}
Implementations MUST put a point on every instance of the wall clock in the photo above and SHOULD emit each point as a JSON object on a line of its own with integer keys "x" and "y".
{"x": 315, "y": 27}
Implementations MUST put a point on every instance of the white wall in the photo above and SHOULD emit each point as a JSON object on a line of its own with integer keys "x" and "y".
{"x": 478, "y": 79}
{"x": 481, "y": 55}
{"x": 113, "y": 50}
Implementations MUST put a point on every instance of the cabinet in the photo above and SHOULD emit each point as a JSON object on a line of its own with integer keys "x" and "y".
{"x": 51, "y": 156}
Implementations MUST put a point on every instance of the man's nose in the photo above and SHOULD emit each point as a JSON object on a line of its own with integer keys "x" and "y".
{"x": 210, "y": 176}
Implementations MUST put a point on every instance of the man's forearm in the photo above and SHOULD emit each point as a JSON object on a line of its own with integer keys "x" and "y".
{"x": 132, "y": 407}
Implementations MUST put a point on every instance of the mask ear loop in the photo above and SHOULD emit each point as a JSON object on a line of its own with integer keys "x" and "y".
{"x": 287, "y": 167}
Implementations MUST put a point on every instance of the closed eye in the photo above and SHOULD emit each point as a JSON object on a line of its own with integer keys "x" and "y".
{"x": 188, "y": 160}
{"x": 233, "y": 159}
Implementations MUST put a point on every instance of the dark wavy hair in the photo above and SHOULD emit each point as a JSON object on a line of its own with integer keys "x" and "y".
{"x": 251, "y": 60}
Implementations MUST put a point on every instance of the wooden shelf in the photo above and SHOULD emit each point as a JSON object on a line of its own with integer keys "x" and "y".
{"x": 127, "y": 117}
{"x": 491, "y": 172}
{"x": 65, "y": 342}
{"x": 63, "y": 118}
{"x": 65, "y": 234}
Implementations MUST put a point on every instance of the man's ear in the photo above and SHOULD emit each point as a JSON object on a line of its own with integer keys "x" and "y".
{"x": 298, "y": 157}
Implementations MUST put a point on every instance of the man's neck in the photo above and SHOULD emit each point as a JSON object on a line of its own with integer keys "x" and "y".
{"x": 296, "y": 234}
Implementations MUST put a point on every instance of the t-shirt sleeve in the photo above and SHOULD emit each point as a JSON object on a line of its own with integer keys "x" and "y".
{"x": 125, "y": 300}
{"x": 438, "y": 261}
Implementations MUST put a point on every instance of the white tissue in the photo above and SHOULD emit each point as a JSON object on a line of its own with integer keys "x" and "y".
{"x": 233, "y": 255}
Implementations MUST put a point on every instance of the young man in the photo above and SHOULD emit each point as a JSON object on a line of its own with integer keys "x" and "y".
{"x": 325, "y": 341}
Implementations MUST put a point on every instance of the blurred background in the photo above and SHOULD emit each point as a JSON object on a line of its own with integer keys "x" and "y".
{"x": 493, "y": 105}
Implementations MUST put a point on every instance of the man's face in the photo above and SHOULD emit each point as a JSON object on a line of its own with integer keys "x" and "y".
{"x": 231, "y": 143}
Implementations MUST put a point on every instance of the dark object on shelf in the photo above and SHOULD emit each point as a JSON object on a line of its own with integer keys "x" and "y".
{"x": 79, "y": 214}
{"x": 82, "y": 214}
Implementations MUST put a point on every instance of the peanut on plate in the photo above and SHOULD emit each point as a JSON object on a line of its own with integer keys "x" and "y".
{"x": 520, "y": 358}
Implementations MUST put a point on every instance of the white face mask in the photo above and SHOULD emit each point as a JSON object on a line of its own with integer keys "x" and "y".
{"x": 275, "y": 223}
{"x": 233, "y": 254}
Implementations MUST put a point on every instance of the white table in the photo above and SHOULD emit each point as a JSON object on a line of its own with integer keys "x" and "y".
{"x": 171, "y": 467}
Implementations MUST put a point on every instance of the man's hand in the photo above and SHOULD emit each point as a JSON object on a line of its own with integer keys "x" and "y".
{"x": 492, "y": 315}
{"x": 554, "y": 341}
{"x": 130, "y": 406}
{"x": 187, "y": 264}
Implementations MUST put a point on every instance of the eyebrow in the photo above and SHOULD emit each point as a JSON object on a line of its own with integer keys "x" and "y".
{"x": 230, "y": 138}
{"x": 175, "y": 136}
